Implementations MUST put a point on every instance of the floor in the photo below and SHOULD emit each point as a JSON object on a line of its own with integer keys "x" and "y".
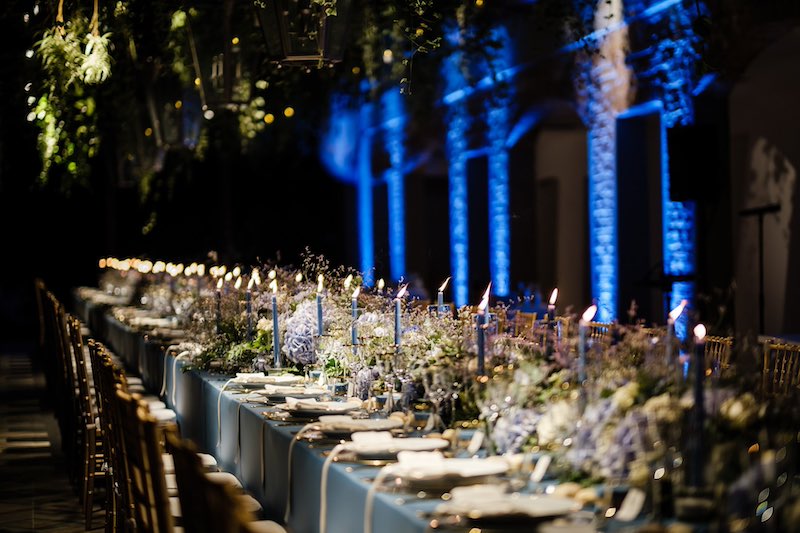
{"x": 35, "y": 494}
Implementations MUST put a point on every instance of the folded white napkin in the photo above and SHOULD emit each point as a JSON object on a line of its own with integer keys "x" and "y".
{"x": 249, "y": 376}
{"x": 314, "y": 404}
{"x": 369, "y": 438}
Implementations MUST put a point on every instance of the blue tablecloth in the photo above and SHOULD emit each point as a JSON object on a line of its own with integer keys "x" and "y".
{"x": 256, "y": 449}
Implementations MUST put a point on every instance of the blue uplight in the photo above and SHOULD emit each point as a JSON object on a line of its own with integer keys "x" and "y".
{"x": 458, "y": 120}
{"x": 498, "y": 119}
{"x": 394, "y": 121}
{"x": 366, "y": 243}
{"x": 673, "y": 62}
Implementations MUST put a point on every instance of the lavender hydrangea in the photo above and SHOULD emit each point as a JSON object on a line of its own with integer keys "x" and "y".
{"x": 298, "y": 342}
{"x": 513, "y": 429}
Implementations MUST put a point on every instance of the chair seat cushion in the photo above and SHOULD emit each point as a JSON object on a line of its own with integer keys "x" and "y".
{"x": 265, "y": 526}
{"x": 208, "y": 460}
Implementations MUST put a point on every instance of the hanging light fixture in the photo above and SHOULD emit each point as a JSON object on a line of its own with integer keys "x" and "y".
{"x": 299, "y": 32}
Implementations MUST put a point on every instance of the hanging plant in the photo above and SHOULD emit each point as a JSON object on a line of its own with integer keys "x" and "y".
{"x": 65, "y": 112}
{"x": 96, "y": 66}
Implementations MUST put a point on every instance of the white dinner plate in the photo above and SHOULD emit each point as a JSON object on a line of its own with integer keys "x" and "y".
{"x": 337, "y": 426}
{"x": 311, "y": 408}
{"x": 477, "y": 504}
{"x": 389, "y": 448}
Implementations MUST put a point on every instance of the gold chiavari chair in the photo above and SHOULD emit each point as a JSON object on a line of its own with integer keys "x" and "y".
{"x": 718, "y": 352}
{"x": 781, "y": 369}
{"x": 600, "y": 333}
{"x": 209, "y": 505}
{"x": 90, "y": 434}
{"x": 145, "y": 470}
{"x": 523, "y": 324}
{"x": 68, "y": 396}
{"x": 119, "y": 508}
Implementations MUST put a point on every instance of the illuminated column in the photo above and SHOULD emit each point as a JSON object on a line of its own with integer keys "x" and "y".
{"x": 603, "y": 88}
{"x": 395, "y": 121}
{"x": 671, "y": 67}
{"x": 366, "y": 243}
{"x": 497, "y": 119}
{"x": 457, "y": 118}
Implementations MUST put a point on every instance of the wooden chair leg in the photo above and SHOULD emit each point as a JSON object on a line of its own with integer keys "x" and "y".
{"x": 88, "y": 472}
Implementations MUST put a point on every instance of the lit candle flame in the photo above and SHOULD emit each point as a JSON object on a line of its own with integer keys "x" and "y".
{"x": 219, "y": 283}
{"x": 228, "y": 276}
{"x": 554, "y": 296}
{"x": 299, "y": 277}
{"x": 356, "y": 292}
{"x": 274, "y": 286}
{"x": 444, "y": 285}
{"x": 381, "y": 284}
{"x": 320, "y": 280}
{"x": 675, "y": 313}
{"x": 699, "y": 333}
{"x": 101, "y": 263}
{"x": 588, "y": 315}
{"x": 272, "y": 274}
{"x": 250, "y": 283}
{"x": 221, "y": 270}
{"x": 347, "y": 281}
{"x": 236, "y": 271}
{"x": 238, "y": 283}
{"x": 201, "y": 270}
{"x": 402, "y": 291}
{"x": 485, "y": 300}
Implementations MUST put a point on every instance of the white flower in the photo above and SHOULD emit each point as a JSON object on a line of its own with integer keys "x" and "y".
{"x": 625, "y": 397}
{"x": 264, "y": 325}
{"x": 558, "y": 420}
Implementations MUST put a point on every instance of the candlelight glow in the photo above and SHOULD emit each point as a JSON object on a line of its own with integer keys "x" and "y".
{"x": 178, "y": 268}
{"x": 588, "y": 315}
{"x": 554, "y": 296}
{"x": 256, "y": 276}
{"x": 101, "y": 263}
{"x": 213, "y": 271}
{"x": 485, "y": 300}
{"x": 146, "y": 267}
{"x": 236, "y": 271}
{"x": 299, "y": 277}
{"x": 272, "y": 274}
{"x": 347, "y": 281}
{"x": 238, "y": 284}
{"x": 228, "y": 276}
{"x": 356, "y": 292}
{"x": 201, "y": 270}
{"x": 250, "y": 283}
{"x": 699, "y": 333}
{"x": 444, "y": 285}
{"x": 675, "y": 313}
{"x": 274, "y": 286}
{"x": 160, "y": 266}
{"x": 381, "y": 284}
{"x": 402, "y": 291}
{"x": 320, "y": 279}
{"x": 221, "y": 270}
{"x": 219, "y": 283}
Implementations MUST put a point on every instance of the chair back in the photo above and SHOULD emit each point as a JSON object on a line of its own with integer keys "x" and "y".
{"x": 718, "y": 352}
{"x": 144, "y": 465}
{"x": 85, "y": 400}
{"x": 207, "y": 506}
{"x": 523, "y": 324}
{"x": 600, "y": 332}
{"x": 781, "y": 369}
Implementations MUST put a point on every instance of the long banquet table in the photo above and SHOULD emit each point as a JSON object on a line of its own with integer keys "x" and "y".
{"x": 254, "y": 448}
